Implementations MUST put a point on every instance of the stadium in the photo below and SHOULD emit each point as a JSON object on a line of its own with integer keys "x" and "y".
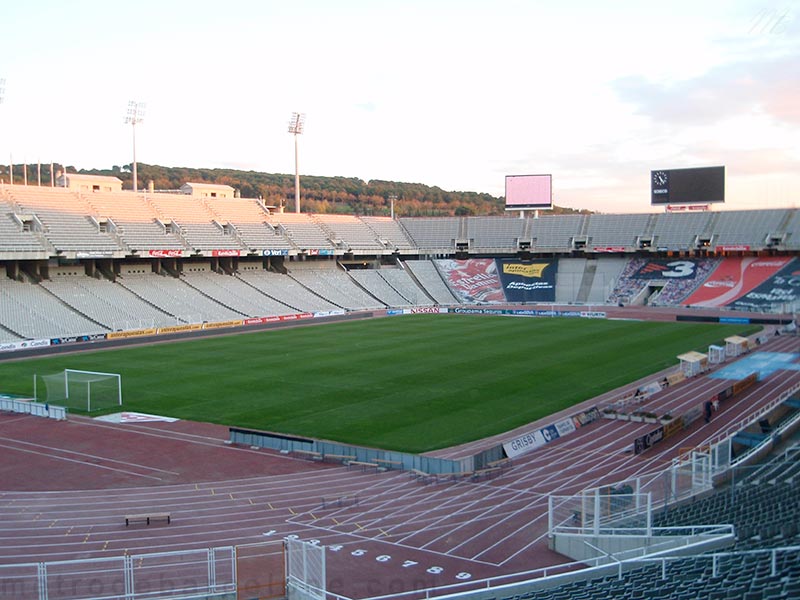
{"x": 565, "y": 406}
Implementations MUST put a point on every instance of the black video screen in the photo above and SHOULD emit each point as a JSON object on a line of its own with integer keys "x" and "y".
{"x": 687, "y": 186}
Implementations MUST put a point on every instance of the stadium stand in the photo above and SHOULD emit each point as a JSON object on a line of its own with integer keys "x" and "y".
{"x": 135, "y": 221}
{"x": 108, "y": 303}
{"x": 401, "y": 280}
{"x": 791, "y": 231}
{"x": 746, "y": 228}
{"x": 680, "y": 231}
{"x": 241, "y": 237}
{"x": 426, "y": 273}
{"x": 302, "y": 230}
{"x": 568, "y": 279}
{"x": 616, "y": 231}
{"x": 350, "y": 233}
{"x": 30, "y": 311}
{"x": 377, "y": 286}
{"x": 494, "y": 234}
{"x": 16, "y": 238}
{"x": 65, "y": 220}
{"x": 176, "y": 298}
{"x": 433, "y": 235}
{"x": 557, "y": 233}
{"x": 391, "y": 234}
{"x": 233, "y": 293}
{"x": 764, "y": 564}
{"x": 286, "y": 290}
{"x": 336, "y": 286}
{"x": 196, "y": 222}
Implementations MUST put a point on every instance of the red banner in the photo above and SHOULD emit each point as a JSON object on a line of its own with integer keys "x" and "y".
{"x": 733, "y": 278}
{"x": 733, "y": 248}
{"x": 473, "y": 280}
{"x": 226, "y": 253}
{"x": 165, "y": 253}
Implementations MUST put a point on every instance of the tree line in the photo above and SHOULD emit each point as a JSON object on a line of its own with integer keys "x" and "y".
{"x": 337, "y": 195}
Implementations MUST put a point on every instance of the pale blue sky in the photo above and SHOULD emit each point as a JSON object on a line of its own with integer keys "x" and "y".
{"x": 450, "y": 93}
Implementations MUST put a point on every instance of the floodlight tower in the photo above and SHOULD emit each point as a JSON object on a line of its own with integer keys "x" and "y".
{"x": 296, "y": 128}
{"x": 2, "y": 95}
{"x": 135, "y": 116}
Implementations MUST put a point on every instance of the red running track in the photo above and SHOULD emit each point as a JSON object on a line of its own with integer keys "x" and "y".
{"x": 67, "y": 486}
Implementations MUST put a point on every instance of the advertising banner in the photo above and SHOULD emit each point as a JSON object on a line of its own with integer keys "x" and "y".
{"x": 734, "y": 278}
{"x": 116, "y": 335}
{"x": 673, "y": 427}
{"x": 648, "y": 440}
{"x": 221, "y": 324}
{"x": 667, "y": 269}
{"x": 165, "y": 253}
{"x": 180, "y": 328}
{"x": 473, "y": 281}
{"x": 782, "y": 287}
{"x": 24, "y": 345}
{"x": 528, "y": 281}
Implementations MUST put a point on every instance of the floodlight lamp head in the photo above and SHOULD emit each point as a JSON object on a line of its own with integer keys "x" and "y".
{"x": 135, "y": 112}
{"x": 296, "y": 123}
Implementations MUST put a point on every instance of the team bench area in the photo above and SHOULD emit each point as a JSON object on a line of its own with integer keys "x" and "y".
{"x": 147, "y": 518}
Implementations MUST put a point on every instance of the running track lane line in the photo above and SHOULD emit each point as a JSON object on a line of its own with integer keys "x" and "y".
{"x": 81, "y": 462}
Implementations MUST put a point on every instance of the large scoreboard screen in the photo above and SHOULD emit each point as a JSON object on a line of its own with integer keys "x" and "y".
{"x": 528, "y": 192}
{"x": 687, "y": 186}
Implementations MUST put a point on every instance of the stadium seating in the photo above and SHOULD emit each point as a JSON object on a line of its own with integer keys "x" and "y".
{"x": 176, "y": 298}
{"x": 494, "y": 234}
{"x": 110, "y": 304}
{"x": 38, "y": 223}
{"x": 401, "y": 280}
{"x": 286, "y": 290}
{"x": 616, "y": 231}
{"x": 377, "y": 286}
{"x": 234, "y": 293}
{"x": 350, "y": 233}
{"x": 302, "y": 230}
{"x": 764, "y": 563}
{"x": 428, "y": 276}
{"x": 337, "y": 287}
{"x": 65, "y": 219}
{"x": 556, "y": 233}
{"x": 432, "y": 235}
{"x": 391, "y": 232}
{"x": 31, "y": 312}
{"x": 679, "y": 231}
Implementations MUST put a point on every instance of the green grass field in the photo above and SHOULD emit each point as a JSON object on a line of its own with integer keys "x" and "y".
{"x": 413, "y": 383}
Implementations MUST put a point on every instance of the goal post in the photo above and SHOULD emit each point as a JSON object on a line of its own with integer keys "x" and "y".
{"x": 82, "y": 390}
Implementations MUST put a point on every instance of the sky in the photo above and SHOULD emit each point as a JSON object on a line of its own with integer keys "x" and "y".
{"x": 456, "y": 94}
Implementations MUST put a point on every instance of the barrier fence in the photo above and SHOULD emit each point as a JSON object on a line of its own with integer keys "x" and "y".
{"x": 207, "y": 573}
{"x": 36, "y": 409}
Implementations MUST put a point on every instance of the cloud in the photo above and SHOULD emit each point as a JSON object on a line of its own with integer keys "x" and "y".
{"x": 767, "y": 86}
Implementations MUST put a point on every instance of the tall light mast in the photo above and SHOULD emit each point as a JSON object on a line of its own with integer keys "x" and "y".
{"x": 135, "y": 116}
{"x": 296, "y": 128}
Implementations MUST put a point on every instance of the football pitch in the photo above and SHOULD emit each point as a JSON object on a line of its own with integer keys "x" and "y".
{"x": 411, "y": 383}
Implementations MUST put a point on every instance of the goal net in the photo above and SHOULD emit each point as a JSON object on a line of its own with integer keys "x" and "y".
{"x": 81, "y": 390}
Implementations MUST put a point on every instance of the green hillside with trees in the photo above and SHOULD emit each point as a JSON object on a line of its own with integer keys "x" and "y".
{"x": 342, "y": 195}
